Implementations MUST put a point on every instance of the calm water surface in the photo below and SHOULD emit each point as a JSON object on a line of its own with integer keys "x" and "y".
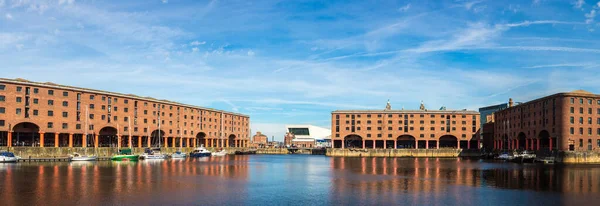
{"x": 298, "y": 180}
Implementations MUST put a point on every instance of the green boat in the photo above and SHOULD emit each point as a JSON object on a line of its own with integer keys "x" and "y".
{"x": 125, "y": 155}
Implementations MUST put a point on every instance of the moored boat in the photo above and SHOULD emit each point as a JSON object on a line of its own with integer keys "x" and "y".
{"x": 77, "y": 157}
{"x": 153, "y": 153}
{"x": 125, "y": 155}
{"x": 200, "y": 152}
{"x": 179, "y": 155}
{"x": 219, "y": 153}
{"x": 6, "y": 157}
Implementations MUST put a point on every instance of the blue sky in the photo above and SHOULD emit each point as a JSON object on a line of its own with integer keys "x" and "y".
{"x": 293, "y": 62}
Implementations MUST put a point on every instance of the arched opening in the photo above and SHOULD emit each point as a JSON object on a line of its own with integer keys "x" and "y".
{"x": 353, "y": 141}
{"x": 448, "y": 141}
{"x": 231, "y": 140}
{"x": 522, "y": 139}
{"x": 157, "y": 138}
{"x": 200, "y": 138}
{"x": 544, "y": 137}
{"x": 26, "y": 134}
{"x": 406, "y": 142}
{"x": 107, "y": 137}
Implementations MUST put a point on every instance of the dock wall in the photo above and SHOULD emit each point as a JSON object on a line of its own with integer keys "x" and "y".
{"x": 25, "y": 152}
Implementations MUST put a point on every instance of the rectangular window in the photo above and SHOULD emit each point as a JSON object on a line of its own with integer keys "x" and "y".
{"x": 2, "y": 87}
{"x": 116, "y": 118}
{"x": 19, "y": 89}
{"x": 65, "y": 94}
{"x": 1, "y": 121}
{"x": 35, "y": 101}
{"x": 65, "y": 114}
{"x": 580, "y": 142}
{"x": 91, "y": 116}
{"x": 65, "y": 104}
{"x": 18, "y": 111}
{"x": 50, "y": 102}
{"x": 65, "y": 125}
{"x": 91, "y": 106}
{"x": 50, "y": 92}
{"x": 572, "y": 130}
{"x": 50, "y": 125}
{"x": 35, "y": 112}
{"x": 78, "y": 126}
{"x": 50, "y": 113}
{"x": 572, "y": 110}
{"x": 2, "y": 110}
{"x": 2, "y": 98}
{"x": 19, "y": 99}
{"x": 36, "y": 90}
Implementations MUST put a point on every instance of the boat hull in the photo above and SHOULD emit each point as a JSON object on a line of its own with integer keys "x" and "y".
{"x": 153, "y": 157}
{"x": 178, "y": 156}
{"x": 125, "y": 158}
{"x": 8, "y": 159}
{"x": 200, "y": 155}
{"x": 92, "y": 158}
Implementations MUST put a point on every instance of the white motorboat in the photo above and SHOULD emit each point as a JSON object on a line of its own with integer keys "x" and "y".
{"x": 153, "y": 153}
{"x": 6, "y": 157}
{"x": 179, "y": 155}
{"x": 77, "y": 157}
{"x": 219, "y": 153}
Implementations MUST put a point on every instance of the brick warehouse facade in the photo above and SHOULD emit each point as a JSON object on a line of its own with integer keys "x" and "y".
{"x": 562, "y": 121}
{"x": 399, "y": 129}
{"x": 49, "y": 115}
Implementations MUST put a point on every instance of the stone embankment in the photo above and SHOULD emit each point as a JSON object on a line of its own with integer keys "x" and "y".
{"x": 26, "y": 152}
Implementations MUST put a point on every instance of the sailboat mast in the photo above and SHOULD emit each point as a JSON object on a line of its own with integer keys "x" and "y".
{"x": 86, "y": 125}
{"x": 129, "y": 130}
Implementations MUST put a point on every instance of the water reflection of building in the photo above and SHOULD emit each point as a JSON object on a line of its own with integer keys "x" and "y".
{"x": 437, "y": 177}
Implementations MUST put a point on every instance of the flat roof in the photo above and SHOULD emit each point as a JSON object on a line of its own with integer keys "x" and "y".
{"x": 406, "y": 111}
{"x": 131, "y": 96}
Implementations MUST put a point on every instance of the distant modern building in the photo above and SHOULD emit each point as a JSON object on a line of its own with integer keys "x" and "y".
{"x": 485, "y": 111}
{"x": 486, "y": 117}
{"x": 562, "y": 121}
{"x": 387, "y": 128}
{"x": 306, "y": 135}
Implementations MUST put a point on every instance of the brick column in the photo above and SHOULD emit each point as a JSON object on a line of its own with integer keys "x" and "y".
{"x": 416, "y": 144}
{"x": 118, "y": 141}
{"x": 538, "y": 143}
{"x": 188, "y": 142}
{"x": 129, "y": 143}
{"x": 139, "y": 142}
{"x": 83, "y": 141}
{"x": 395, "y": 143}
{"x": 437, "y": 144}
{"x": 526, "y": 143}
{"x": 166, "y": 142}
{"x": 468, "y": 144}
{"x": 363, "y": 146}
{"x": 173, "y": 142}
{"x": 70, "y": 140}
{"x": 95, "y": 140}
{"x": 55, "y": 139}
{"x": 550, "y": 143}
{"x": 149, "y": 142}
{"x": 9, "y": 139}
{"x": 41, "y": 139}
{"x": 343, "y": 143}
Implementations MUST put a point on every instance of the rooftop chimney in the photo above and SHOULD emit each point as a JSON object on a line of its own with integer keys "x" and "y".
{"x": 510, "y": 102}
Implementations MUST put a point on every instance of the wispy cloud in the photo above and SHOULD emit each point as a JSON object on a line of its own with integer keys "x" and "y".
{"x": 404, "y": 8}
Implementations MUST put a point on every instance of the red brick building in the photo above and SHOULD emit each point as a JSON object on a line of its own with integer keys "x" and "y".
{"x": 260, "y": 140}
{"x": 563, "y": 121}
{"x": 50, "y": 115}
{"x": 421, "y": 129}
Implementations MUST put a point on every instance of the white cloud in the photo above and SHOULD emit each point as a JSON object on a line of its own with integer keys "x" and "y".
{"x": 19, "y": 47}
{"x": 404, "y": 8}
{"x": 536, "y": 2}
{"x": 9, "y": 16}
{"x": 468, "y": 5}
{"x": 68, "y": 2}
{"x": 196, "y": 43}
{"x": 165, "y": 1}
{"x": 250, "y": 53}
{"x": 590, "y": 16}
{"x": 195, "y": 49}
{"x": 578, "y": 4}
